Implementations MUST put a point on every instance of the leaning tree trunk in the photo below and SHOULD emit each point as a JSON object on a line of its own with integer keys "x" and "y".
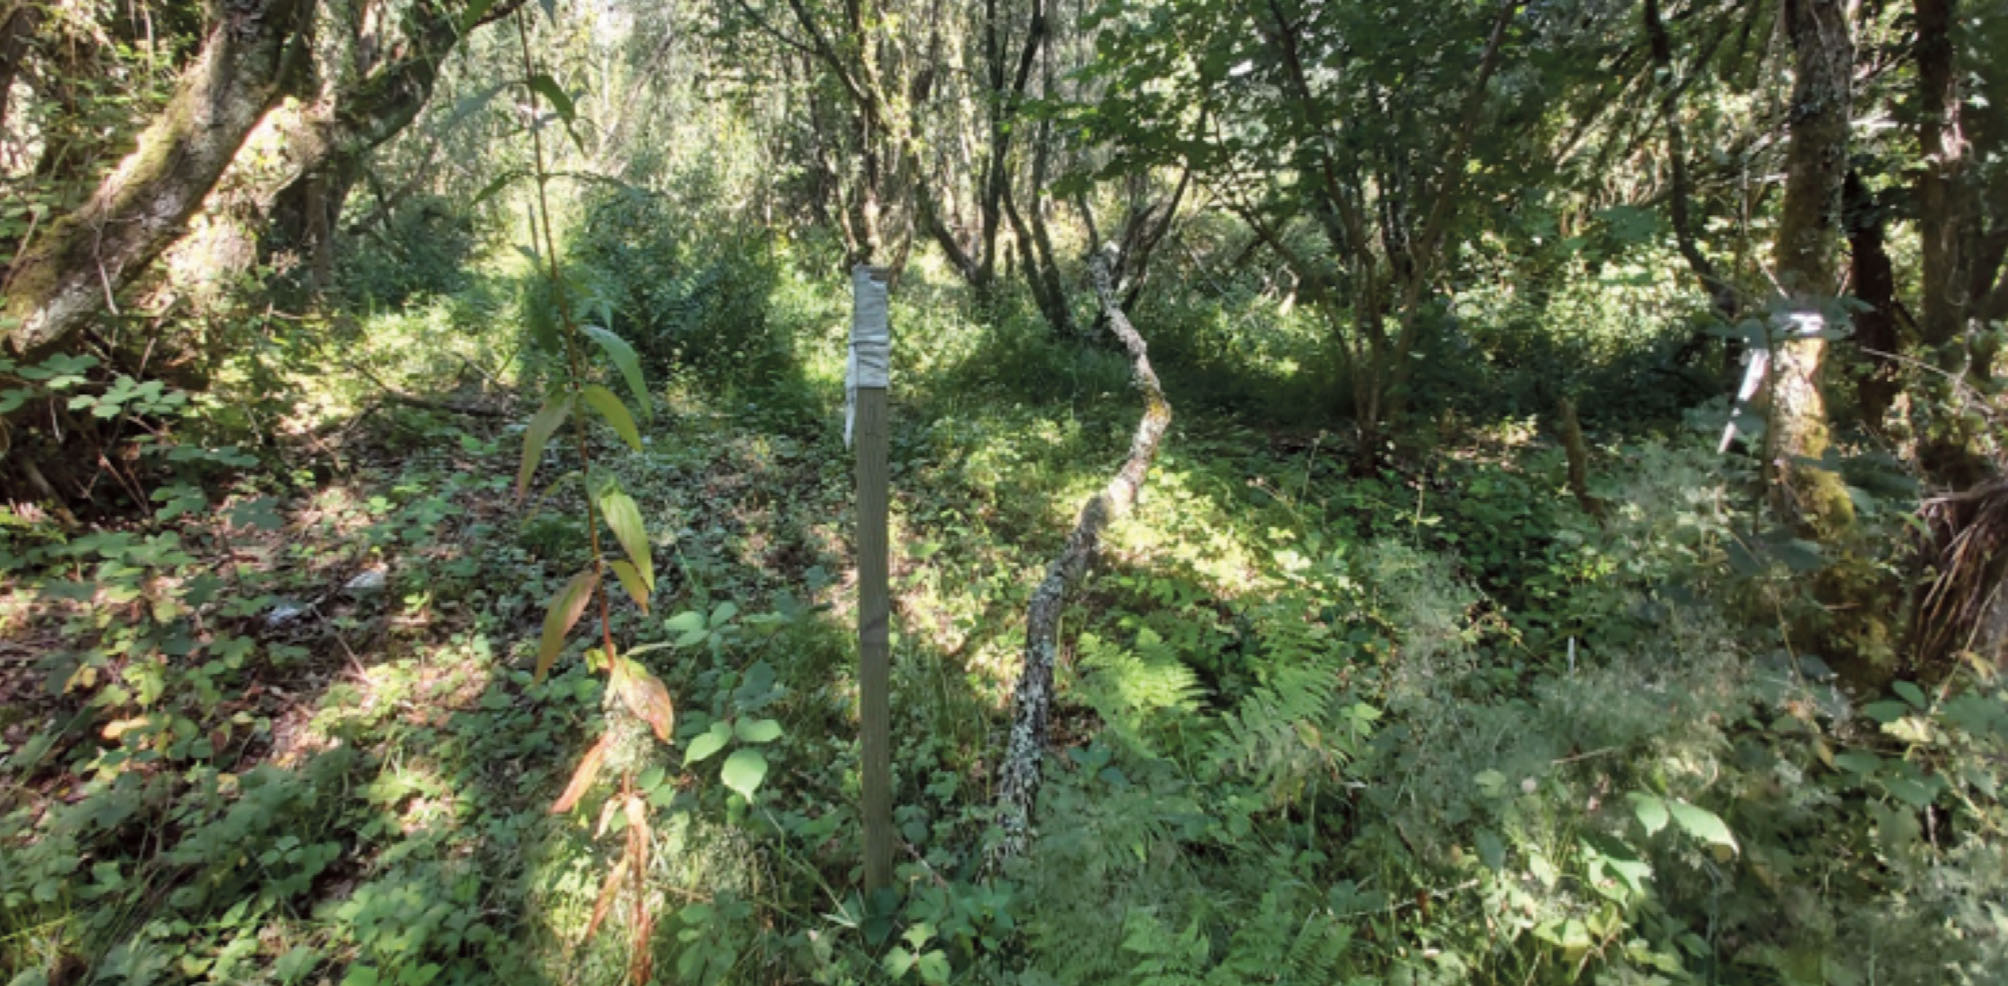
{"x": 1809, "y": 270}
{"x": 1032, "y": 701}
{"x": 76, "y": 268}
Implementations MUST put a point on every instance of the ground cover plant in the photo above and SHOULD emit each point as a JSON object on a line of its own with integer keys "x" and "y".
{"x": 1541, "y": 463}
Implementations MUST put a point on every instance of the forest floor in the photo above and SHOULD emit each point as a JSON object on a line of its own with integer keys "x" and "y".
{"x": 1323, "y": 721}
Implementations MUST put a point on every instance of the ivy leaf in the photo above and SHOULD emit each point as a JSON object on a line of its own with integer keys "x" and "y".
{"x": 757, "y": 730}
{"x": 542, "y": 425}
{"x": 631, "y": 581}
{"x": 743, "y": 771}
{"x": 616, "y": 414}
{"x": 1702, "y": 824}
{"x": 562, "y": 615}
{"x": 624, "y": 360}
{"x": 707, "y": 744}
{"x": 1650, "y": 811}
{"x": 625, "y": 518}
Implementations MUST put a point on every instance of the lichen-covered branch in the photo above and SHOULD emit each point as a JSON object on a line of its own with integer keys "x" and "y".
{"x": 70, "y": 272}
{"x": 1032, "y": 701}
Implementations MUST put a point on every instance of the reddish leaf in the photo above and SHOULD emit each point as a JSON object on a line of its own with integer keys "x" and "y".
{"x": 605, "y": 902}
{"x": 562, "y": 615}
{"x": 582, "y": 778}
{"x": 646, "y": 696}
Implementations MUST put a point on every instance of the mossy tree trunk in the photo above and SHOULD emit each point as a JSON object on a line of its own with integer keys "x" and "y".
{"x": 72, "y": 271}
{"x": 1808, "y": 259}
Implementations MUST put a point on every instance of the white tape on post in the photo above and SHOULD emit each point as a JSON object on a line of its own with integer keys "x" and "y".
{"x": 870, "y": 362}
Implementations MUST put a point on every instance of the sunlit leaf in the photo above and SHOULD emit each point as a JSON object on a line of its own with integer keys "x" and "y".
{"x": 625, "y": 518}
{"x": 757, "y": 730}
{"x": 582, "y": 778}
{"x": 1650, "y": 811}
{"x": 1702, "y": 824}
{"x": 562, "y": 615}
{"x": 631, "y": 581}
{"x": 645, "y": 695}
{"x": 743, "y": 771}
{"x": 542, "y": 425}
{"x": 616, "y": 414}
{"x": 605, "y": 902}
{"x": 707, "y": 744}
{"x": 629, "y": 365}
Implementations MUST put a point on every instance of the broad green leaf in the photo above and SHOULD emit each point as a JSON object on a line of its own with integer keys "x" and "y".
{"x": 1650, "y": 811}
{"x": 707, "y": 743}
{"x": 1702, "y": 824}
{"x": 631, "y": 581}
{"x": 757, "y": 730}
{"x": 562, "y": 614}
{"x": 547, "y": 87}
{"x": 625, "y": 519}
{"x": 934, "y": 967}
{"x": 1910, "y": 692}
{"x": 616, "y": 414}
{"x": 685, "y": 621}
{"x": 624, "y": 360}
{"x": 542, "y": 425}
{"x": 897, "y": 962}
{"x": 743, "y": 771}
{"x": 724, "y": 612}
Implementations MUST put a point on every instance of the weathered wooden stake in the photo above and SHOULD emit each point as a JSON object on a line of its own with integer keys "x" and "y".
{"x": 866, "y": 377}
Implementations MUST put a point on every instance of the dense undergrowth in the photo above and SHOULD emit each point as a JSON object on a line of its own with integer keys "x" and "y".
{"x": 1433, "y": 724}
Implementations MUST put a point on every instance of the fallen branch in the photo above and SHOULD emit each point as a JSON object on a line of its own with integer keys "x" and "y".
{"x": 1032, "y": 701}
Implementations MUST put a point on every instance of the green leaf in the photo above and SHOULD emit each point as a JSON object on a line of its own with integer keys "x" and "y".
{"x": 1650, "y": 811}
{"x": 562, "y": 615}
{"x": 1911, "y": 693}
{"x": 616, "y": 414}
{"x": 625, "y": 519}
{"x": 934, "y": 967}
{"x": 542, "y": 425}
{"x": 1702, "y": 824}
{"x": 757, "y": 730}
{"x": 543, "y": 85}
{"x": 624, "y": 360}
{"x": 685, "y": 621}
{"x": 474, "y": 12}
{"x": 631, "y": 581}
{"x": 897, "y": 962}
{"x": 707, "y": 744}
{"x": 743, "y": 771}
{"x": 1886, "y": 712}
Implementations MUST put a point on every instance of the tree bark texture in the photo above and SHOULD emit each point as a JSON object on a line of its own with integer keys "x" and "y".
{"x": 1032, "y": 700}
{"x": 74, "y": 270}
{"x": 1808, "y": 262}
{"x": 1944, "y": 213}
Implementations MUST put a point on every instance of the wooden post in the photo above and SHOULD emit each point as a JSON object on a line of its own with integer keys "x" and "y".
{"x": 867, "y": 377}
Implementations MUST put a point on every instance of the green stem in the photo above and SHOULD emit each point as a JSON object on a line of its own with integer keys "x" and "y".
{"x": 574, "y": 362}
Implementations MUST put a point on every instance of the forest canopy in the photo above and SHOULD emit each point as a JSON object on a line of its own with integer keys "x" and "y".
{"x": 1003, "y": 491}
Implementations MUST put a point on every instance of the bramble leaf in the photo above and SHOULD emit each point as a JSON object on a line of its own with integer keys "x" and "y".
{"x": 743, "y": 771}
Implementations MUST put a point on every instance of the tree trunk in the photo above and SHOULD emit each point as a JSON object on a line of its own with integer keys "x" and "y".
{"x": 1808, "y": 262}
{"x": 72, "y": 271}
{"x": 1943, "y": 216}
{"x": 1875, "y": 284}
